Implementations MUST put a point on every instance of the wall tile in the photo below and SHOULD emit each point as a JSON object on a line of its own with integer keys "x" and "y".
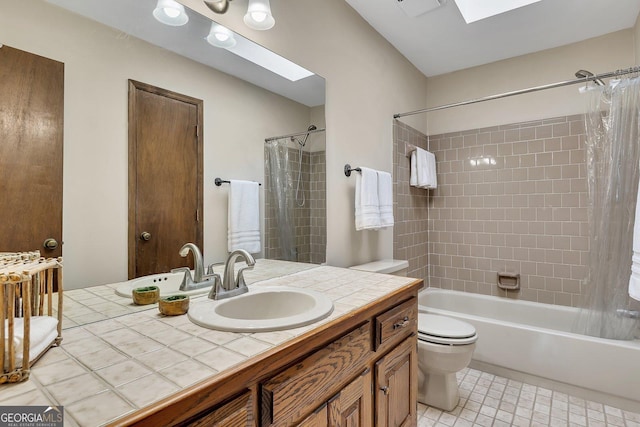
{"x": 522, "y": 209}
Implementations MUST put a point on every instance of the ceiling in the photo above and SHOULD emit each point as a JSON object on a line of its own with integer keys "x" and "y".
{"x": 134, "y": 17}
{"x": 440, "y": 41}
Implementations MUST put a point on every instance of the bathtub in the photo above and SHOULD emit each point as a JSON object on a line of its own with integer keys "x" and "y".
{"x": 535, "y": 339}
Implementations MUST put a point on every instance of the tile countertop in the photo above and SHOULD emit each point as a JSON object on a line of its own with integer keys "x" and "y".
{"x": 110, "y": 368}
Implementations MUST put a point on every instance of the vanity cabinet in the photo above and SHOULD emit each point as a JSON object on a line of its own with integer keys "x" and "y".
{"x": 396, "y": 386}
{"x": 236, "y": 413}
{"x": 358, "y": 370}
{"x": 352, "y": 406}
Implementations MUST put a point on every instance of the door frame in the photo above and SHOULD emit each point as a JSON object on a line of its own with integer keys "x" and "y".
{"x": 133, "y": 145}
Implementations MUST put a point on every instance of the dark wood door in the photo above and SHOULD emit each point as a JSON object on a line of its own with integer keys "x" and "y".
{"x": 31, "y": 140}
{"x": 165, "y": 178}
{"x": 397, "y": 386}
{"x": 353, "y": 406}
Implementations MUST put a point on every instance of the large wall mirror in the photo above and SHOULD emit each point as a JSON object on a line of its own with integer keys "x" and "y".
{"x": 103, "y": 45}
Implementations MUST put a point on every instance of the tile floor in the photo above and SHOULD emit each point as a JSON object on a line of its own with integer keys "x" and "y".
{"x": 490, "y": 400}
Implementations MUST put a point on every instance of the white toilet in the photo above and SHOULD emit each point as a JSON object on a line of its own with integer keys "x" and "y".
{"x": 445, "y": 346}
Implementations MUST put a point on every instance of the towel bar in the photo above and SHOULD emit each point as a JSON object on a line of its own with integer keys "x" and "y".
{"x": 220, "y": 181}
{"x": 348, "y": 169}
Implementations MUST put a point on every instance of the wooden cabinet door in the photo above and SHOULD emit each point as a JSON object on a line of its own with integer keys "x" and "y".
{"x": 352, "y": 407}
{"x": 318, "y": 419}
{"x": 396, "y": 386}
{"x": 236, "y": 413}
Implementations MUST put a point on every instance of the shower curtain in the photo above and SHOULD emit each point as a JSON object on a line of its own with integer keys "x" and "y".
{"x": 613, "y": 156}
{"x": 282, "y": 197}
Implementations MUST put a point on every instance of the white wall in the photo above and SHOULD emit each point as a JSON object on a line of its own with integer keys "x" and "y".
{"x": 367, "y": 82}
{"x": 98, "y": 63}
{"x": 598, "y": 55}
{"x": 636, "y": 41}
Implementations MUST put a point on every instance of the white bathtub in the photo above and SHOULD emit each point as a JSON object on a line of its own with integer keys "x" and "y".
{"x": 535, "y": 339}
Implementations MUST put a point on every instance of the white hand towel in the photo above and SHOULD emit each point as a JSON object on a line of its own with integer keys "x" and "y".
{"x": 43, "y": 330}
{"x": 634, "y": 280}
{"x": 413, "y": 169}
{"x": 423, "y": 169}
{"x": 244, "y": 216}
{"x": 430, "y": 165}
{"x": 367, "y": 203}
{"x": 385, "y": 198}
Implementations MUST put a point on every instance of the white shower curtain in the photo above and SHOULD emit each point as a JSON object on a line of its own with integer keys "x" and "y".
{"x": 613, "y": 156}
{"x": 282, "y": 197}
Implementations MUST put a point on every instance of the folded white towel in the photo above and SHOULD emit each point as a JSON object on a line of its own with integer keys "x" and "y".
{"x": 43, "y": 330}
{"x": 423, "y": 169}
{"x": 367, "y": 202}
{"x": 634, "y": 280}
{"x": 385, "y": 198}
{"x": 244, "y": 216}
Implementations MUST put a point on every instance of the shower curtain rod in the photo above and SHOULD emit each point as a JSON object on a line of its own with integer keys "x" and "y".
{"x": 273, "y": 138}
{"x": 523, "y": 91}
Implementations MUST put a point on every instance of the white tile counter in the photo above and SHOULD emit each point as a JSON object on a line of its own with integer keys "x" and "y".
{"x": 110, "y": 368}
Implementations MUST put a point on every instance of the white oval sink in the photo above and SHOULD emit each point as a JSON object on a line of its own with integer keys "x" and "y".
{"x": 169, "y": 284}
{"x": 262, "y": 310}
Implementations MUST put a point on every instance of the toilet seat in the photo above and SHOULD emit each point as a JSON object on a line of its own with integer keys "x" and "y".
{"x": 444, "y": 330}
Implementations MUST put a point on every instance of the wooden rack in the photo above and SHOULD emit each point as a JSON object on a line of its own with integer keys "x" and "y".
{"x": 27, "y": 287}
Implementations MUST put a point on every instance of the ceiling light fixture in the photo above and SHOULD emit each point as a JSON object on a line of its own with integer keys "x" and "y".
{"x": 259, "y": 15}
{"x": 170, "y": 12}
{"x": 218, "y": 6}
{"x": 220, "y": 36}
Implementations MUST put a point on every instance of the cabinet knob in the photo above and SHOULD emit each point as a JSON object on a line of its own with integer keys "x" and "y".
{"x": 50, "y": 244}
{"x": 403, "y": 323}
{"x": 145, "y": 235}
{"x": 385, "y": 390}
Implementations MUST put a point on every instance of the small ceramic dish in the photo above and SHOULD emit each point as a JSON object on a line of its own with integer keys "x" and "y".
{"x": 174, "y": 305}
{"x": 146, "y": 295}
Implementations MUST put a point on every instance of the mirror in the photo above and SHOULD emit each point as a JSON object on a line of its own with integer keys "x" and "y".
{"x": 240, "y": 111}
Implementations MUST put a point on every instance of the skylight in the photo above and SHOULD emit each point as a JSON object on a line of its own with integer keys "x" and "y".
{"x": 474, "y": 10}
{"x": 267, "y": 59}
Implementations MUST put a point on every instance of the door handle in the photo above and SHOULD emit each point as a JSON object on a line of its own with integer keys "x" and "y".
{"x": 50, "y": 244}
{"x": 145, "y": 235}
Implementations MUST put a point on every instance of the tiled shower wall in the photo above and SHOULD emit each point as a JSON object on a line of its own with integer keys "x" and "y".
{"x": 410, "y": 237}
{"x": 513, "y": 199}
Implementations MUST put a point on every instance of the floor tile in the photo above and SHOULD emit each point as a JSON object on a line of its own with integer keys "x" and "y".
{"x": 487, "y": 400}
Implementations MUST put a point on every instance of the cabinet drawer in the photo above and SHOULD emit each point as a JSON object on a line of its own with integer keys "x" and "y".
{"x": 235, "y": 413}
{"x": 397, "y": 323}
{"x": 301, "y": 388}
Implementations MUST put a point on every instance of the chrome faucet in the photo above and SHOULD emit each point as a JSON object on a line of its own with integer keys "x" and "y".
{"x": 233, "y": 285}
{"x": 199, "y": 280}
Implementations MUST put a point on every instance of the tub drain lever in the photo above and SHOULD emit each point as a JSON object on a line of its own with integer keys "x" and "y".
{"x": 509, "y": 281}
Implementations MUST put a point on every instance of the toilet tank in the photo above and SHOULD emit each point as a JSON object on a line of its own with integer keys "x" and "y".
{"x": 396, "y": 267}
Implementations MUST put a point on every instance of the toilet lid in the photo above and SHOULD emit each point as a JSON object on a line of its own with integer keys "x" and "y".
{"x": 444, "y": 328}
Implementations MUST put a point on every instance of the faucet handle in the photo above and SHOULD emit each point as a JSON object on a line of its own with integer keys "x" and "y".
{"x": 210, "y": 267}
{"x": 185, "y": 270}
{"x": 216, "y": 288}
{"x": 240, "y": 283}
{"x": 187, "y": 276}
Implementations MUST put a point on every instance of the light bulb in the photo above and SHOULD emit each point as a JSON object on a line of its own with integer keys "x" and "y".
{"x": 259, "y": 16}
{"x": 220, "y": 36}
{"x": 171, "y": 13}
